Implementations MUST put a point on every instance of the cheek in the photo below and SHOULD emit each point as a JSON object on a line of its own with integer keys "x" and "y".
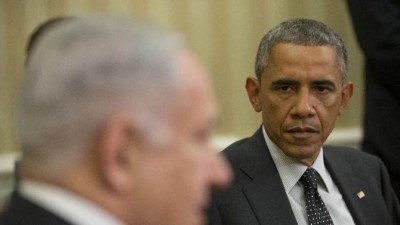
{"x": 192, "y": 167}
{"x": 185, "y": 163}
{"x": 275, "y": 112}
{"x": 330, "y": 107}
{"x": 331, "y": 102}
{"x": 195, "y": 168}
{"x": 327, "y": 115}
{"x": 152, "y": 191}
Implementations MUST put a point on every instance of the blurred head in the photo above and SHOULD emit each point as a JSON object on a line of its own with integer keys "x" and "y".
{"x": 121, "y": 113}
{"x": 301, "y": 86}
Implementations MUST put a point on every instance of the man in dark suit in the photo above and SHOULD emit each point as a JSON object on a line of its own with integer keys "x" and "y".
{"x": 377, "y": 26}
{"x": 283, "y": 174}
{"x": 116, "y": 121}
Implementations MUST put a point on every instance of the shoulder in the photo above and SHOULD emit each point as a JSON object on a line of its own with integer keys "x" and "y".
{"x": 234, "y": 152}
{"x": 352, "y": 158}
{"x": 236, "y": 147}
{"x": 350, "y": 153}
{"x": 250, "y": 148}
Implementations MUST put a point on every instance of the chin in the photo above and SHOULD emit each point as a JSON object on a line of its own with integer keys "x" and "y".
{"x": 301, "y": 152}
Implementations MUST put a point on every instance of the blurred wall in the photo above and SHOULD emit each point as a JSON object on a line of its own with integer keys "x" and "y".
{"x": 224, "y": 33}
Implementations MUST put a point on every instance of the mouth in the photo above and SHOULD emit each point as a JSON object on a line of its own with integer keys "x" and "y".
{"x": 302, "y": 132}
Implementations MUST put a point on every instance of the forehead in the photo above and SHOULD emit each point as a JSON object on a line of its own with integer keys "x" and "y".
{"x": 285, "y": 52}
{"x": 301, "y": 59}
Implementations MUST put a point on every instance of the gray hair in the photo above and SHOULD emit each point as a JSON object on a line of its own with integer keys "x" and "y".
{"x": 301, "y": 32}
{"x": 86, "y": 70}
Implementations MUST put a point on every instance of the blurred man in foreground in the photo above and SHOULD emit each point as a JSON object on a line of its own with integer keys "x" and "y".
{"x": 116, "y": 122}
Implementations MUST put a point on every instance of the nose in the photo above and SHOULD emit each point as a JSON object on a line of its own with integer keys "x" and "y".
{"x": 221, "y": 173}
{"x": 303, "y": 105}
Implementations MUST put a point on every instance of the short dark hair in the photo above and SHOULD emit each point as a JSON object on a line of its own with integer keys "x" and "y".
{"x": 306, "y": 32}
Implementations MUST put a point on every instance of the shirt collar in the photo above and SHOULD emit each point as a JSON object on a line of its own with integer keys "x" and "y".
{"x": 65, "y": 204}
{"x": 290, "y": 170}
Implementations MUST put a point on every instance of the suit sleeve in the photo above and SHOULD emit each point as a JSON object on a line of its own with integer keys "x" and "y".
{"x": 377, "y": 27}
{"x": 392, "y": 202}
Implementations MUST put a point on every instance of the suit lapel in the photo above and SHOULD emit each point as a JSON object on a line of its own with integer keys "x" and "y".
{"x": 350, "y": 187}
{"x": 265, "y": 192}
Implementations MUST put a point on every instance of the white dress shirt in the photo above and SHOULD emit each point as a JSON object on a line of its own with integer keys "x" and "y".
{"x": 65, "y": 204}
{"x": 290, "y": 171}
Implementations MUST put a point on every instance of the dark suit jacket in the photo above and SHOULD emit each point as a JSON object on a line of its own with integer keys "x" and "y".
{"x": 377, "y": 26}
{"x": 257, "y": 196}
{"x": 23, "y": 212}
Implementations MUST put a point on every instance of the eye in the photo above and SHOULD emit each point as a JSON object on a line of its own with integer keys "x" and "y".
{"x": 323, "y": 89}
{"x": 323, "y": 86}
{"x": 285, "y": 88}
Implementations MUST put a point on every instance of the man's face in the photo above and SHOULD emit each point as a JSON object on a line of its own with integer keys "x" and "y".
{"x": 174, "y": 180}
{"x": 301, "y": 94}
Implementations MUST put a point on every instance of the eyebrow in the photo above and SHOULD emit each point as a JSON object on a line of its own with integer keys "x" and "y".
{"x": 284, "y": 82}
{"x": 323, "y": 83}
{"x": 289, "y": 82}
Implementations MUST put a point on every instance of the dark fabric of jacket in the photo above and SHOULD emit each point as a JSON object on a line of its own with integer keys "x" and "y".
{"x": 377, "y": 26}
{"x": 257, "y": 195}
{"x": 20, "y": 211}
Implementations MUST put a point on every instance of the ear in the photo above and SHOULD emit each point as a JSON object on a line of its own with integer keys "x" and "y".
{"x": 347, "y": 92}
{"x": 115, "y": 146}
{"x": 253, "y": 90}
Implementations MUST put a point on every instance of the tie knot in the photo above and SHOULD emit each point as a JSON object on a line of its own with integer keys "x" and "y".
{"x": 309, "y": 179}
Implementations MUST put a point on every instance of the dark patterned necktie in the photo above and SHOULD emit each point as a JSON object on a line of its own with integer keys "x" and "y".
{"x": 317, "y": 213}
